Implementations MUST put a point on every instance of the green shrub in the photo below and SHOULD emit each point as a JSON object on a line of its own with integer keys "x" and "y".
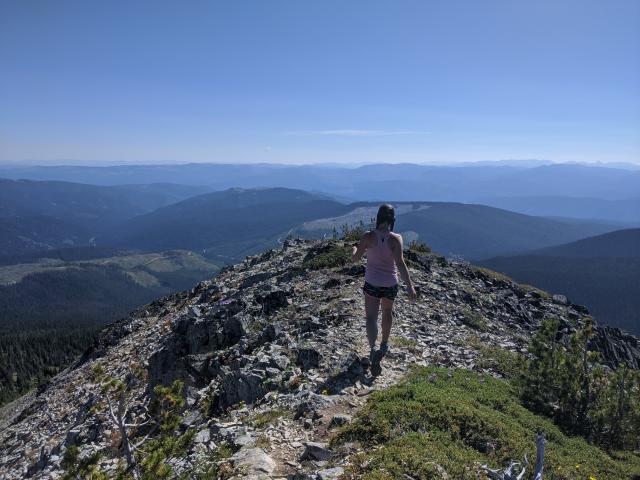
{"x": 334, "y": 255}
{"x": 500, "y": 360}
{"x": 457, "y": 420}
{"x": 146, "y": 458}
{"x": 419, "y": 247}
{"x": 567, "y": 384}
{"x": 354, "y": 233}
{"x": 156, "y": 452}
{"x": 474, "y": 320}
{"x": 86, "y": 468}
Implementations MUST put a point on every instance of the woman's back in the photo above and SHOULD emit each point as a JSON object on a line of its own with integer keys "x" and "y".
{"x": 381, "y": 266}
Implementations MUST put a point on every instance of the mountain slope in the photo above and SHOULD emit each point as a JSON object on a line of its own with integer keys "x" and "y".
{"x": 24, "y": 235}
{"x": 86, "y": 205}
{"x": 43, "y": 215}
{"x": 270, "y": 353}
{"x": 626, "y": 210}
{"x": 608, "y": 286}
{"x": 228, "y": 224}
{"x": 601, "y": 272}
{"x": 472, "y": 231}
{"x": 621, "y": 243}
{"x": 477, "y": 231}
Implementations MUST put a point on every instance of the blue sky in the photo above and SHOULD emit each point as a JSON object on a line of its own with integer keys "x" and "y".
{"x": 325, "y": 81}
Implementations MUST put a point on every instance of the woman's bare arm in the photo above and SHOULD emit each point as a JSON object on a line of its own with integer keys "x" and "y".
{"x": 396, "y": 249}
{"x": 358, "y": 251}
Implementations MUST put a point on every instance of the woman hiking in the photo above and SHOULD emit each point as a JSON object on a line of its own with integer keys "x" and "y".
{"x": 384, "y": 260}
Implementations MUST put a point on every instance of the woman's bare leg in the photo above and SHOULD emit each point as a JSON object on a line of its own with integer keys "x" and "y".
{"x": 371, "y": 308}
{"x": 387, "y": 318}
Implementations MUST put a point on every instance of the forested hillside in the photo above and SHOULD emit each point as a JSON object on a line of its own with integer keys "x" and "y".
{"x": 50, "y": 311}
{"x": 601, "y": 272}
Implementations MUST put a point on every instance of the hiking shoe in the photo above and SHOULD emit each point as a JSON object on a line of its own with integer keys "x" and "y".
{"x": 376, "y": 369}
{"x": 384, "y": 348}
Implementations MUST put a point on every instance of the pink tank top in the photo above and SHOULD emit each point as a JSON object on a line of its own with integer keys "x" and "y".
{"x": 381, "y": 267}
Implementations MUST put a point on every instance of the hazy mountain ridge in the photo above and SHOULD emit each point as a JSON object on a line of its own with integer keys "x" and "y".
{"x": 227, "y": 224}
{"x": 369, "y": 182}
{"x": 236, "y": 222}
{"x": 43, "y": 215}
{"x": 478, "y": 231}
{"x": 84, "y": 204}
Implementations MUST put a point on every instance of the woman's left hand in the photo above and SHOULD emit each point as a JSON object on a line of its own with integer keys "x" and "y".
{"x": 411, "y": 291}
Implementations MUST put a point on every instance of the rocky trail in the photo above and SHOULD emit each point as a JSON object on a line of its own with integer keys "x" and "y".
{"x": 274, "y": 358}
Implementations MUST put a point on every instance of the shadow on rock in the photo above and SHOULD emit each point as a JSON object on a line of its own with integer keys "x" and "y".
{"x": 352, "y": 369}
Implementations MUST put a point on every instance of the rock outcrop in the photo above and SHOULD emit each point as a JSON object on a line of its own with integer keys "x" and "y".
{"x": 270, "y": 338}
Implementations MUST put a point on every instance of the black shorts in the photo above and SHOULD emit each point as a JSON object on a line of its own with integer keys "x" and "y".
{"x": 381, "y": 292}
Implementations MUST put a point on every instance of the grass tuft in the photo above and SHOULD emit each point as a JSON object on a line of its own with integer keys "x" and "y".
{"x": 493, "y": 274}
{"x": 268, "y": 418}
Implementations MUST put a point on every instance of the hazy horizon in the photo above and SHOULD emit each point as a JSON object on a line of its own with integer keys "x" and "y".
{"x": 523, "y": 163}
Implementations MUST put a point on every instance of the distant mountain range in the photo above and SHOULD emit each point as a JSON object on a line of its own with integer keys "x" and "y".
{"x": 227, "y": 225}
{"x": 389, "y": 182}
{"x": 602, "y": 272}
{"x": 471, "y": 231}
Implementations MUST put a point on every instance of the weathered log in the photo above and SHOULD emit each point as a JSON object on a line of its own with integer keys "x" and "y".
{"x": 508, "y": 473}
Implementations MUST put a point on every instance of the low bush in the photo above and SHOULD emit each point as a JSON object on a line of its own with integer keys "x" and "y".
{"x": 454, "y": 421}
{"x": 566, "y": 383}
{"x": 419, "y": 247}
{"x": 333, "y": 255}
{"x": 474, "y": 320}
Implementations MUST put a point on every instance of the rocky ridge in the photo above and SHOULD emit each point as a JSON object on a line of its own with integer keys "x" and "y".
{"x": 273, "y": 357}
